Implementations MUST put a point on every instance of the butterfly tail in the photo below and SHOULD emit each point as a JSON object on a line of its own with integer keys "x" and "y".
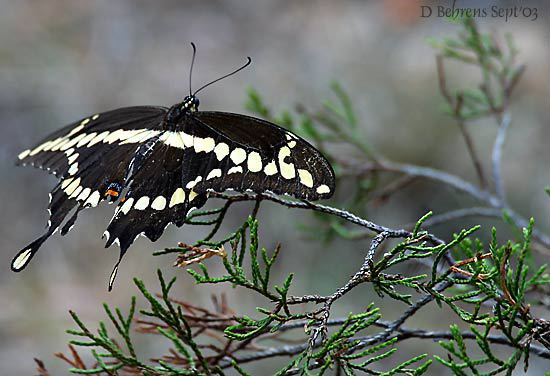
{"x": 124, "y": 244}
{"x": 114, "y": 273}
{"x": 23, "y": 257}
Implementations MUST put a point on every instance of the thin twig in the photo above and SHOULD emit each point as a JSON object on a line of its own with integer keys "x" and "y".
{"x": 459, "y": 214}
{"x": 456, "y": 267}
{"x": 360, "y": 276}
{"x": 350, "y": 217}
{"x": 451, "y": 181}
{"x": 456, "y": 106}
{"x": 504, "y": 123}
{"x": 393, "y": 187}
{"x": 403, "y": 334}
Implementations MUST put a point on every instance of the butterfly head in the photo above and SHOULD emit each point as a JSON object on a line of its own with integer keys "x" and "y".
{"x": 190, "y": 104}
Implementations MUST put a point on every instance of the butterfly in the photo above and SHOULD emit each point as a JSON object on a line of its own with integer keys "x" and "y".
{"x": 160, "y": 163}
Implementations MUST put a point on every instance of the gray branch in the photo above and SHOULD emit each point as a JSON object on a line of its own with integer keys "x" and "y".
{"x": 504, "y": 123}
{"x": 462, "y": 213}
{"x": 401, "y": 335}
{"x": 454, "y": 182}
{"x": 350, "y": 217}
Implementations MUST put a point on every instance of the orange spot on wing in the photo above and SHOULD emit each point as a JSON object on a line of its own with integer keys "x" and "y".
{"x": 111, "y": 193}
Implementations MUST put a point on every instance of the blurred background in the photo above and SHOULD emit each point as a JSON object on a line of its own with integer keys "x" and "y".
{"x": 61, "y": 60}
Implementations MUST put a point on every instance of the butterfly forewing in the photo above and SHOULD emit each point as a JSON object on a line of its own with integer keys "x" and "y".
{"x": 57, "y": 152}
{"x": 244, "y": 153}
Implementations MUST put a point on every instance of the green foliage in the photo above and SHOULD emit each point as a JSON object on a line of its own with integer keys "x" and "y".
{"x": 174, "y": 328}
{"x": 492, "y": 279}
{"x": 103, "y": 340}
{"x": 335, "y": 350}
{"x": 497, "y": 64}
{"x": 483, "y": 276}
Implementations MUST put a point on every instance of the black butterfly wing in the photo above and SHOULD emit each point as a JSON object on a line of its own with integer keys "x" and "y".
{"x": 98, "y": 162}
{"x": 214, "y": 151}
{"x": 253, "y": 154}
{"x": 157, "y": 196}
{"x": 56, "y": 152}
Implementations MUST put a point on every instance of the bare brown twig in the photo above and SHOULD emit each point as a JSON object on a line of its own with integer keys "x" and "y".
{"x": 456, "y": 105}
{"x": 195, "y": 255}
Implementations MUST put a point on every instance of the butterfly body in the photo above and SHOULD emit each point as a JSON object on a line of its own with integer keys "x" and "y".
{"x": 177, "y": 116}
{"x": 159, "y": 163}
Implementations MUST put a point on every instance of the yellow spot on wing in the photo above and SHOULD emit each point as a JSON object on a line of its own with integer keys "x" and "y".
{"x": 270, "y": 168}
{"x": 192, "y": 183}
{"x": 238, "y": 156}
{"x": 287, "y": 169}
{"x": 234, "y": 170}
{"x": 142, "y": 203}
{"x": 208, "y": 144}
{"x": 73, "y": 169}
{"x": 323, "y": 189}
{"x": 22, "y": 259}
{"x": 159, "y": 203}
{"x": 173, "y": 139}
{"x": 73, "y": 158}
{"x": 187, "y": 139}
{"x": 72, "y": 142}
{"x": 55, "y": 143}
{"x": 77, "y": 129}
{"x": 59, "y": 144}
{"x": 305, "y": 178}
{"x": 114, "y": 136}
{"x": 221, "y": 150}
{"x": 254, "y": 162}
{"x": 94, "y": 198}
{"x": 73, "y": 186}
{"x": 86, "y": 139}
{"x": 177, "y": 198}
{"x": 215, "y": 173}
{"x": 76, "y": 192}
{"x": 100, "y": 137}
{"x": 84, "y": 195}
{"x": 127, "y": 205}
{"x": 24, "y": 154}
{"x": 66, "y": 183}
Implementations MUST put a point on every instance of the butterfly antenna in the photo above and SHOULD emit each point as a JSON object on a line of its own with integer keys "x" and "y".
{"x": 249, "y": 60}
{"x": 192, "y": 63}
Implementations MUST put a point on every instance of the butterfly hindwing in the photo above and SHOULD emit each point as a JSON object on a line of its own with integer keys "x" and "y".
{"x": 158, "y": 194}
